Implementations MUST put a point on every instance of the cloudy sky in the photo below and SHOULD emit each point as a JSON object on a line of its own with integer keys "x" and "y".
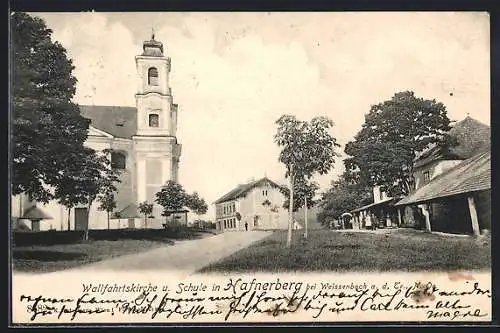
{"x": 234, "y": 74}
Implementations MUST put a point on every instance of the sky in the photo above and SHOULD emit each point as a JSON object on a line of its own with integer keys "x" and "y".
{"x": 234, "y": 74}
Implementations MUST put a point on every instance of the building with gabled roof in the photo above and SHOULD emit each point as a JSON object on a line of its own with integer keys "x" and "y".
{"x": 257, "y": 204}
{"x": 458, "y": 200}
{"x": 471, "y": 135}
{"x": 143, "y": 144}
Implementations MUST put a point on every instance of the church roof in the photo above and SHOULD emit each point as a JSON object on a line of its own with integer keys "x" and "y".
{"x": 119, "y": 121}
{"x": 472, "y": 136}
{"x": 243, "y": 189}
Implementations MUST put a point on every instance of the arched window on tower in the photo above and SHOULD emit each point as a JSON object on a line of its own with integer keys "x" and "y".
{"x": 153, "y": 76}
{"x": 154, "y": 120}
{"x": 118, "y": 160}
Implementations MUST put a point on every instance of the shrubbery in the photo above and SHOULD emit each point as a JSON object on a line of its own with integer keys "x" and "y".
{"x": 75, "y": 236}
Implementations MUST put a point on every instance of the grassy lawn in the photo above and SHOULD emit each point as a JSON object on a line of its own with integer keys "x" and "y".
{"x": 50, "y": 258}
{"x": 394, "y": 250}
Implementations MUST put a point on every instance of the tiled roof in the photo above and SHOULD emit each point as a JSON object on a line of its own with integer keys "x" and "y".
{"x": 129, "y": 211}
{"x": 36, "y": 213}
{"x": 473, "y": 174}
{"x": 374, "y": 204}
{"x": 119, "y": 121}
{"x": 471, "y": 136}
{"x": 243, "y": 189}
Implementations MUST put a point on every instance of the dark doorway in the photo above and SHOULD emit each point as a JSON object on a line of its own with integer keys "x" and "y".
{"x": 80, "y": 218}
{"x": 131, "y": 223}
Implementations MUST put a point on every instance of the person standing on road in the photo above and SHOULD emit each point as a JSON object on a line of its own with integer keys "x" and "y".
{"x": 246, "y": 226}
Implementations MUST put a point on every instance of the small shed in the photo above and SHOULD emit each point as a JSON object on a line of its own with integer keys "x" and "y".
{"x": 130, "y": 213}
{"x": 35, "y": 215}
{"x": 179, "y": 216}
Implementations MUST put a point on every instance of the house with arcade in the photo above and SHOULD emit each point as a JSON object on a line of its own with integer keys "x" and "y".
{"x": 451, "y": 187}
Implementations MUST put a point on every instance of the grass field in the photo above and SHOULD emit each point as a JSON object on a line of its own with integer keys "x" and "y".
{"x": 50, "y": 258}
{"x": 394, "y": 250}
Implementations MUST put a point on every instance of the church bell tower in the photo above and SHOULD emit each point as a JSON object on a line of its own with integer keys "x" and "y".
{"x": 156, "y": 146}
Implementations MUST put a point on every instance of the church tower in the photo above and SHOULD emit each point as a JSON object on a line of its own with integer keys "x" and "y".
{"x": 156, "y": 147}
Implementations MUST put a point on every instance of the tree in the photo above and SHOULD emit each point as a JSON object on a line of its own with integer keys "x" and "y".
{"x": 307, "y": 148}
{"x": 70, "y": 192}
{"x": 95, "y": 179}
{"x": 47, "y": 128}
{"x": 343, "y": 196}
{"x": 145, "y": 209}
{"x": 172, "y": 197}
{"x": 108, "y": 203}
{"x": 197, "y": 204}
{"x": 394, "y": 132}
{"x": 304, "y": 192}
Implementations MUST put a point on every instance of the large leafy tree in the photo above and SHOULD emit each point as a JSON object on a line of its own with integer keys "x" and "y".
{"x": 47, "y": 127}
{"x": 173, "y": 197}
{"x": 342, "y": 196}
{"x": 394, "y": 132}
{"x": 196, "y": 204}
{"x": 307, "y": 148}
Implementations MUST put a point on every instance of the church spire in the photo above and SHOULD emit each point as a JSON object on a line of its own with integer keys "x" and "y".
{"x": 152, "y": 47}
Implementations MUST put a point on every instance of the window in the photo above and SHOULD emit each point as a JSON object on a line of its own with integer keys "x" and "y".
{"x": 264, "y": 193}
{"x": 118, "y": 160}
{"x": 154, "y": 120}
{"x": 427, "y": 176}
{"x": 153, "y": 76}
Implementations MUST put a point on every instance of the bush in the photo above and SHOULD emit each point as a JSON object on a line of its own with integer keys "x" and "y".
{"x": 75, "y": 236}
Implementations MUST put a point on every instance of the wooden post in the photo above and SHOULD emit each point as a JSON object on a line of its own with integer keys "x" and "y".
{"x": 290, "y": 211}
{"x": 473, "y": 216}
{"x": 399, "y": 217}
{"x": 427, "y": 217}
{"x": 305, "y": 217}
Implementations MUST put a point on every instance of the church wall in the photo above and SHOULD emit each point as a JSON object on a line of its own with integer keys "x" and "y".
{"x": 156, "y": 146}
{"x": 154, "y": 103}
{"x": 161, "y": 64}
{"x": 126, "y": 190}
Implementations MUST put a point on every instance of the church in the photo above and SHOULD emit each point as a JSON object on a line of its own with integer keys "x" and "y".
{"x": 144, "y": 148}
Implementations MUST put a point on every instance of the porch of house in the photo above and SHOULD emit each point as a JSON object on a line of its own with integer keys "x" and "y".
{"x": 466, "y": 213}
{"x": 384, "y": 212}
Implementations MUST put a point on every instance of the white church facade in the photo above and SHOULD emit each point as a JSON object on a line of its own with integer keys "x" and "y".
{"x": 143, "y": 141}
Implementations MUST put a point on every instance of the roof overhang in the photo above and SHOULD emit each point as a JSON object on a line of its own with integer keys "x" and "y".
{"x": 375, "y": 204}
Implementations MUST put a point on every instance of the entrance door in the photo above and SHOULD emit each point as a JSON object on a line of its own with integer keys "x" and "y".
{"x": 80, "y": 218}
{"x": 131, "y": 223}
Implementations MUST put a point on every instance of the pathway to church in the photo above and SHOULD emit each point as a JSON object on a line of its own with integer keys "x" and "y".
{"x": 184, "y": 257}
